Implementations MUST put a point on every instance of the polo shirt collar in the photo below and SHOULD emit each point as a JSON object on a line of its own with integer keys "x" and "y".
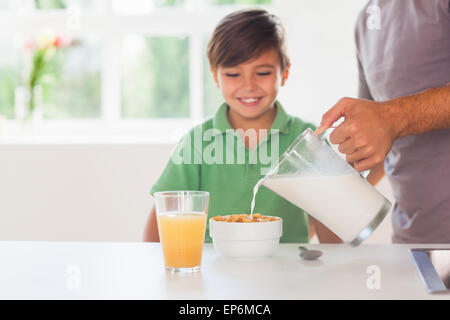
{"x": 281, "y": 121}
{"x": 220, "y": 120}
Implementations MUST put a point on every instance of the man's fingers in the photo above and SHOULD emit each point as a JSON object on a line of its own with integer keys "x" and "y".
{"x": 360, "y": 154}
{"x": 320, "y": 130}
{"x": 364, "y": 159}
{"x": 365, "y": 164}
{"x": 333, "y": 114}
{"x": 342, "y": 133}
{"x": 347, "y": 147}
{"x": 362, "y": 164}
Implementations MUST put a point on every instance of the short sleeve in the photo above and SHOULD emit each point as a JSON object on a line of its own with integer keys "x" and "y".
{"x": 363, "y": 88}
{"x": 181, "y": 171}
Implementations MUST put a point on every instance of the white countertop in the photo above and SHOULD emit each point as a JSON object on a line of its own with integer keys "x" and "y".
{"x": 104, "y": 270}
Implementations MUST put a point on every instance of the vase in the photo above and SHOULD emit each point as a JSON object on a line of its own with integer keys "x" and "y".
{"x": 28, "y": 104}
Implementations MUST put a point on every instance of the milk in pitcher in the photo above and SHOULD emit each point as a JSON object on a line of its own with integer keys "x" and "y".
{"x": 346, "y": 204}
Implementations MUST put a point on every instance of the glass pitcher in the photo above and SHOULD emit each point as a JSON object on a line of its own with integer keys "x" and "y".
{"x": 312, "y": 176}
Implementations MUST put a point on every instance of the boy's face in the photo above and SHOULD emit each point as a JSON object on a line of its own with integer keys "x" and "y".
{"x": 251, "y": 88}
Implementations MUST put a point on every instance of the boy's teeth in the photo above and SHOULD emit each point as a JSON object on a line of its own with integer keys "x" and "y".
{"x": 250, "y": 100}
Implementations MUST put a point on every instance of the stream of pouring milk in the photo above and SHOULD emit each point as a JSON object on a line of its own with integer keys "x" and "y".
{"x": 346, "y": 204}
{"x": 255, "y": 191}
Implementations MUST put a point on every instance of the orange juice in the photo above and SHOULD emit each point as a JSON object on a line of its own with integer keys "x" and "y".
{"x": 182, "y": 236}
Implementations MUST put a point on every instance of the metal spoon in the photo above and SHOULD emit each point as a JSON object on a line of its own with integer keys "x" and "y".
{"x": 309, "y": 255}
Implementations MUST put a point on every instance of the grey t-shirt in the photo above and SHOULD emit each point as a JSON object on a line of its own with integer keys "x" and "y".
{"x": 403, "y": 47}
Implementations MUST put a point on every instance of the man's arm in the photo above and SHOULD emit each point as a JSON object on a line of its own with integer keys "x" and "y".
{"x": 370, "y": 128}
{"x": 420, "y": 113}
{"x": 151, "y": 228}
{"x": 312, "y": 230}
{"x": 324, "y": 234}
{"x": 376, "y": 174}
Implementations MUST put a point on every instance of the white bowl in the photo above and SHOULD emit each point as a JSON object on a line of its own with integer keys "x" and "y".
{"x": 241, "y": 240}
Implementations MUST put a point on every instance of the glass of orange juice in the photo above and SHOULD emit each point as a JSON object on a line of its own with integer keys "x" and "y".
{"x": 181, "y": 217}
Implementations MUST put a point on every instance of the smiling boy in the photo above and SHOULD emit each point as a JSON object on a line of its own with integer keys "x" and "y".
{"x": 249, "y": 64}
{"x": 250, "y": 90}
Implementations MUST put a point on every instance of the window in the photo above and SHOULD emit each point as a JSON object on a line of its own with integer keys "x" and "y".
{"x": 9, "y": 77}
{"x": 211, "y": 94}
{"x": 72, "y": 88}
{"x": 155, "y": 77}
{"x": 130, "y": 63}
{"x": 85, "y": 5}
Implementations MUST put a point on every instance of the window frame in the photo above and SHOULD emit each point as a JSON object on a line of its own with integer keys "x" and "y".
{"x": 195, "y": 23}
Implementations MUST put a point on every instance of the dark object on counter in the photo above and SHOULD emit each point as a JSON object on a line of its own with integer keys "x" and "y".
{"x": 309, "y": 255}
{"x": 433, "y": 266}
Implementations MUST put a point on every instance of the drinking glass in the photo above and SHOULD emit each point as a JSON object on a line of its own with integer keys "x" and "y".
{"x": 181, "y": 217}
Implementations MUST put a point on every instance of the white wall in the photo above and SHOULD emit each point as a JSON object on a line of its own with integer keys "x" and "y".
{"x": 77, "y": 192}
{"x": 320, "y": 36}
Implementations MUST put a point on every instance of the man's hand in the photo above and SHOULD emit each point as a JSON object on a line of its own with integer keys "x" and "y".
{"x": 370, "y": 128}
{"x": 367, "y": 133}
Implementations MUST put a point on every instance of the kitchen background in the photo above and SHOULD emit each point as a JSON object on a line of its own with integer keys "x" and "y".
{"x": 114, "y": 86}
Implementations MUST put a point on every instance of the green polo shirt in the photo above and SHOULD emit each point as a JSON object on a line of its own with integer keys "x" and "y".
{"x": 212, "y": 157}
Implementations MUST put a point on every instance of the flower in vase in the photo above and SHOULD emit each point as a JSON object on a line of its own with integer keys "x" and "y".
{"x": 43, "y": 48}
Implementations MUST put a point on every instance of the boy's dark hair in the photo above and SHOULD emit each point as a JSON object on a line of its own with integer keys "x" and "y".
{"x": 244, "y": 35}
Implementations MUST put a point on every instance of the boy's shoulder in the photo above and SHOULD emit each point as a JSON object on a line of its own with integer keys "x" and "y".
{"x": 288, "y": 124}
{"x": 214, "y": 125}
{"x": 297, "y": 125}
{"x": 206, "y": 125}
{"x": 195, "y": 135}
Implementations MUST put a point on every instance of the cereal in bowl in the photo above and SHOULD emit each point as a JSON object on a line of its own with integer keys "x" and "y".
{"x": 245, "y": 218}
